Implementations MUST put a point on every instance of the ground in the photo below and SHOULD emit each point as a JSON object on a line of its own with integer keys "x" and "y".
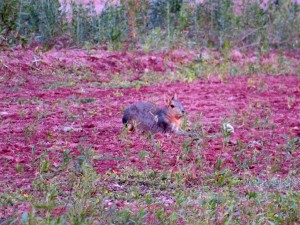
{"x": 72, "y": 100}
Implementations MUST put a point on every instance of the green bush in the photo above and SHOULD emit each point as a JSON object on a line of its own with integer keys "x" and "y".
{"x": 26, "y": 18}
{"x": 213, "y": 23}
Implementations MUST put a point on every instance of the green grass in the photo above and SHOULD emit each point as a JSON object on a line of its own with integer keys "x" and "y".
{"x": 73, "y": 193}
{"x": 152, "y": 25}
{"x": 222, "y": 67}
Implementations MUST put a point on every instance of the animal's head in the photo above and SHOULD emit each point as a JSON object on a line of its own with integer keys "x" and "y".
{"x": 175, "y": 108}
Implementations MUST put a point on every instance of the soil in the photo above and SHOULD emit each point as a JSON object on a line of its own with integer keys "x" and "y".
{"x": 44, "y": 112}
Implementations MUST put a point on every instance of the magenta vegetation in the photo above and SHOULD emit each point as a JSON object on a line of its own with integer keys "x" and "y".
{"x": 55, "y": 112}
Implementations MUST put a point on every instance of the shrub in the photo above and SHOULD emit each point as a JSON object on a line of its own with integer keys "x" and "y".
{"x": 208, "y": 23}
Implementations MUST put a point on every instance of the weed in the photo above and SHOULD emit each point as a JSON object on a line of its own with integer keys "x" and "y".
{"x": 19, "y": 168}
{"x": 291, "y": 101}
{"x": 29, "y": 130}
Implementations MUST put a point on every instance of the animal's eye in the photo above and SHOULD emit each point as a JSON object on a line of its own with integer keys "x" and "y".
{"x": 172, "y": 106}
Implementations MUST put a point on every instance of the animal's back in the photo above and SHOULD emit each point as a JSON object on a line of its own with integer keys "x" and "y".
{"x": 145, "y": 115}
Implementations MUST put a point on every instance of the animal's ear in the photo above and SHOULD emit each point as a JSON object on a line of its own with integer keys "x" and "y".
{"x": 167, "y": 99}
{"x": 174, "y": 96}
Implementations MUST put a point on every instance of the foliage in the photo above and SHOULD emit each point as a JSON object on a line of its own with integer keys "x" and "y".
{"x": 110, "y": 26}
{"x": 210, "y": 23}
{"x": 25, "y": 18}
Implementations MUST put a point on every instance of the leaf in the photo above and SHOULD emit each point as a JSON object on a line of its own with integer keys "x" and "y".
{"x": 227, "y": 44}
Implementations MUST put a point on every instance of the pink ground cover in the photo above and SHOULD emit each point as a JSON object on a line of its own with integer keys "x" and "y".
{"x": 38, "y": 115}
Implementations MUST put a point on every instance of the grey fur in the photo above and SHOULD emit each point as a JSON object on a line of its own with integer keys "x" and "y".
{"x": 149, "y": 117}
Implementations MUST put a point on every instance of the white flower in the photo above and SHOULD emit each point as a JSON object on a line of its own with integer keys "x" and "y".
{"x": 228, "y": 128}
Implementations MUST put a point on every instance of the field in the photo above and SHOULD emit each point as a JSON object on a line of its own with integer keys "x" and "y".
{"x": 66, "y": 159}
{"x": 69, "y": 69}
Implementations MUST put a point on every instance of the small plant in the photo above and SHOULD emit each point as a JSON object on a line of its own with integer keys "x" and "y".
{"x": 19, "y": 168}
{"x": 29, "y": 131}
{"x": 291, "y": 101}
